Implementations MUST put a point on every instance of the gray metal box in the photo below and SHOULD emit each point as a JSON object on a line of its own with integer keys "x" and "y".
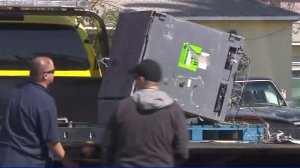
{"x": 198, "y": 62}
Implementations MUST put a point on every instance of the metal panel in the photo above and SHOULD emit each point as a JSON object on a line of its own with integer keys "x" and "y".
{"x": 126, "y": 50}
{"x": 195, "y": 89}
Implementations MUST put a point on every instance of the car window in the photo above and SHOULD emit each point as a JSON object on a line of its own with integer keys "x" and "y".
{"x": 260, "y": 93}
{"x": 271, "y": 96}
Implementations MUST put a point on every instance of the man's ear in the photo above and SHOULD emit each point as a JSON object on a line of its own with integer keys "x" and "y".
{"x": 45, "y": 76}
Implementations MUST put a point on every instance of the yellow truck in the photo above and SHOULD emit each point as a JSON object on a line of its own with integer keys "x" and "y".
{"x": 61, "y": 30}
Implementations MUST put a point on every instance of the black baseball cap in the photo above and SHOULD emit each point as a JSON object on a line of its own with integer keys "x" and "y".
{"x": 149, "y": 69}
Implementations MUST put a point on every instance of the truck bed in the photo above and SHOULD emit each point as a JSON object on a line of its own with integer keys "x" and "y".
{"x": 243, "y": 154}
{"x": 219, "y": 154}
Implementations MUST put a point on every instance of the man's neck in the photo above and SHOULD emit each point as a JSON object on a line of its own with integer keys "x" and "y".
{"x": 152, "y": 87}
{"x": 41, "y": 83}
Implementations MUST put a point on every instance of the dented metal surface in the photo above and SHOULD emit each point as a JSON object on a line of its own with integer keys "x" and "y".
{"x": 198, "y": 62}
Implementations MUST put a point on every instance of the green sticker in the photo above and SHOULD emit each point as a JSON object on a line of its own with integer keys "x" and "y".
{"x": 188, "y": 56}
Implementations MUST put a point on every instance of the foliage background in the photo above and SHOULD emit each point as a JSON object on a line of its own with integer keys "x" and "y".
{"x": 107, "y": 11}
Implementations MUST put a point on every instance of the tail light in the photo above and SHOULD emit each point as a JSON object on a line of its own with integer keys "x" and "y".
{"x": 253, "y": 117}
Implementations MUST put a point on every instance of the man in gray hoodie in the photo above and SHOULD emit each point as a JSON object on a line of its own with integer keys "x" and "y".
{"x": 147, "y": 128}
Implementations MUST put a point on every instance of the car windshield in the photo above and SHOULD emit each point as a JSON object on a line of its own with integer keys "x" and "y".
{"x": 258, "y": 94}
{"x": 21, "y": 42}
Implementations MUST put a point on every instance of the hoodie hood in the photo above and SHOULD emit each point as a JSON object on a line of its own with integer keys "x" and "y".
{"x": 148, "y": 99}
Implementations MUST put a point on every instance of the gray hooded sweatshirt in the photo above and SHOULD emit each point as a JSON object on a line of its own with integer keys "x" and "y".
{"x": 147, "y": 129}
{"x": 148, "y": 99}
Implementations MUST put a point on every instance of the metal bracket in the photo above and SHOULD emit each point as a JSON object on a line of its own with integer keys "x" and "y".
{"x": 106, "y": 61}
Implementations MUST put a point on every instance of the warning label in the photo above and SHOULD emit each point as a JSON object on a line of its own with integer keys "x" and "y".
{"x": 189, "y": 56}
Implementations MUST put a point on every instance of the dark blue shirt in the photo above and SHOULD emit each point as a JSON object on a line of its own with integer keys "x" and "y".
{"x": 30, "y": 121}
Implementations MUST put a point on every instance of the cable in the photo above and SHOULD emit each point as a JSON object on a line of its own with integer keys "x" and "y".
{"x": 268, "y": 34}
{"x": 237, "y": 91}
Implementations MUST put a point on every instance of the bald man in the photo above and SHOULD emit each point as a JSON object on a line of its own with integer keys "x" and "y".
{"x": 30, "y": 126}
{"x": 42, "y": 70}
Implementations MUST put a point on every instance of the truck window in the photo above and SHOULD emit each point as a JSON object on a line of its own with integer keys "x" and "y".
{"x": 20, "y": 42}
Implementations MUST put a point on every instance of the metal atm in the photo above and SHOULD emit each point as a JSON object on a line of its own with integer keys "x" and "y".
{"x": 198, "y": 63}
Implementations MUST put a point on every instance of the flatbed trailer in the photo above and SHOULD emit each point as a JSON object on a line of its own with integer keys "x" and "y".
{"x": 221, "y": 154}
